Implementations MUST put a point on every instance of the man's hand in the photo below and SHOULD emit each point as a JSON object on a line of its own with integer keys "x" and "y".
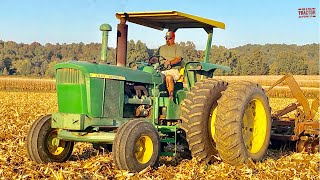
{"x": 167, "y": 63}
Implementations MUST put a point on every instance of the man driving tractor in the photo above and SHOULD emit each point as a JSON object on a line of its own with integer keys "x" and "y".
{"x": 172, "y": 54}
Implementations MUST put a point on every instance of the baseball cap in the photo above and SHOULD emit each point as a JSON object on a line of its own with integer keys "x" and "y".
{"x": 170, "y": 34}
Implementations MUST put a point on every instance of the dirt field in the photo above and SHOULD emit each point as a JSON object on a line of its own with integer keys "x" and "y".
{"x": 19, "y": 109}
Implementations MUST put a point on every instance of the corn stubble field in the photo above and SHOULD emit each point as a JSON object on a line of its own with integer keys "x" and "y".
{"x": 19, "y": 109}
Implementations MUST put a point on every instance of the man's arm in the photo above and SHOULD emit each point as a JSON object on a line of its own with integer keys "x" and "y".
{"x": 178, "y": 58}
{"x": 174, "y": 61}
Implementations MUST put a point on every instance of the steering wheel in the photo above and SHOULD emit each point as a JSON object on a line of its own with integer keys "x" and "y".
{"x": 138, "y": 62}
{"x": 155, "y": 59}
{"x": 158, "y": 62}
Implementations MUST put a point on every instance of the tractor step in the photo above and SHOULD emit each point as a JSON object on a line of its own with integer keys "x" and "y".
{"x": 167, "y": 154}
{"x": 168, "y": 134}
{"x": 166, "y": 129}
{"x": 168, "y": 140}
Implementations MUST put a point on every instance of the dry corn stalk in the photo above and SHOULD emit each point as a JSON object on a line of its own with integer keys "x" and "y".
{"x": 19, "y": 109}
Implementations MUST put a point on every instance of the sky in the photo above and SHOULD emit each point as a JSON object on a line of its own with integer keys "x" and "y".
{"x": 74, "y": 21}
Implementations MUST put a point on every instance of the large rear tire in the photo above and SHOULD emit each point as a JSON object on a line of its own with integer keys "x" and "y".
{"x": 243, "y": 123}
{"x": 198, "y": 117}
{"x": 43, "y": 146}
{"x": 136, "y": 146}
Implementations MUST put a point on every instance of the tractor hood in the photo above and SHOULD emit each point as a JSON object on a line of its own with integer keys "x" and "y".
{"x": 107, "y": 71}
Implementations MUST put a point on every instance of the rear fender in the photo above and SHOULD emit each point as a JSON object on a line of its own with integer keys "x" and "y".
{"x": 196, "y": 71}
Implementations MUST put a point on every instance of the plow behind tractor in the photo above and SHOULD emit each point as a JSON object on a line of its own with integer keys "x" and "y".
{"x": 303, "y": 129}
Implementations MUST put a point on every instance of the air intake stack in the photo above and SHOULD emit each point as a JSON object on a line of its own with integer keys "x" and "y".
{"x": 105, "y": 28}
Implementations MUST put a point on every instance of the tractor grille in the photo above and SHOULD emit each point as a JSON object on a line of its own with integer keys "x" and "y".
{"x": 112, "y": 94}
{"x": 69, "y": 76}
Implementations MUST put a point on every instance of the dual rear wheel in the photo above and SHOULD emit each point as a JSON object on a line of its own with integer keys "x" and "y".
{"x": 243, "y": 123}
{"x": 199, "y": 115}
{"x": 231, "y": 121}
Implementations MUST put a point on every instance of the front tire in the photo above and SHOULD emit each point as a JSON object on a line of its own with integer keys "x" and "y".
{"x": 136, "y": 146}
{"x": 43, "y": 146}
{"x": 243, "y": 123}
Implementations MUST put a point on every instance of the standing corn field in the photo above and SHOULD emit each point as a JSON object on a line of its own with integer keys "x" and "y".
{"x": 310, "y": 85}
{"x": 27, "y": 84}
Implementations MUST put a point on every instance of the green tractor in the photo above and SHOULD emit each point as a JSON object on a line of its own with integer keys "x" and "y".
{"x": 128, "y": 111}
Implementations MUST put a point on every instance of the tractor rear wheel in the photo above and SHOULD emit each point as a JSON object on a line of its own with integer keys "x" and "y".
{"x": 243, "y": 123}
{"x": 136, "y": 146}
{"x": 43, "y": 146}
{"x": 198, "y": 116}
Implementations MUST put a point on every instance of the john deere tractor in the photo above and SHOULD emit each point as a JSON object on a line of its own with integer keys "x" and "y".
{"x": 128, "y": 110}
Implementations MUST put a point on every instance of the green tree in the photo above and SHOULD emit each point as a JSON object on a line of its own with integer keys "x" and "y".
{"x": 5, "y": 72}
{"x": 51, "y": 71}
{"x": 288, "y": 62}
{"x": 22, "y": 67}
{"x": 190, "y": 52}
{"x": 136, "y": 51}
{"x": 313, "y": 67}
{"x": 244, "y": 60}
{"x": 44, "y": 67}
{"x": 35, "y": 70}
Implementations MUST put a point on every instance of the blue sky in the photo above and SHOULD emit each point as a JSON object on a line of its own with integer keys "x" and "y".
{"x": 247, "y": 21}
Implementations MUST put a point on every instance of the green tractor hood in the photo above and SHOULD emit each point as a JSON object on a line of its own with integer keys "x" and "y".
{"x": 106, "y": 71}
{"x": 97, "y": 89}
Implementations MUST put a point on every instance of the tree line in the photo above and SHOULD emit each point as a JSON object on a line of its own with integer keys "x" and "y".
{"x": 271, "y": 59}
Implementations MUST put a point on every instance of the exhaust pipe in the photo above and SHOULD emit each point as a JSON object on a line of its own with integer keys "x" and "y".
{"x": 122, "y": 35}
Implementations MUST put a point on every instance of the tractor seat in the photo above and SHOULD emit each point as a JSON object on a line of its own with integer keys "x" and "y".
{"x": 178, "y": 85}
{"x": 181, "y": 79}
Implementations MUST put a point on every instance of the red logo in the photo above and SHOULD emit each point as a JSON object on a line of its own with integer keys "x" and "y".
{"x": 307, "y": 12}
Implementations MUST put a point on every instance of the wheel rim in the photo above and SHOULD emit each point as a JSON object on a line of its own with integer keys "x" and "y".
{"x": 144, "y": 149}
{"x": 212, "y": 121}
{"x": 254, "y": 126}
{"x": 55, "y": 146}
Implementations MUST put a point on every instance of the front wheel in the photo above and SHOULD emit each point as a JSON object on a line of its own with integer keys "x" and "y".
{"x": 243, "y": 123}
{"x": 136, "y": 146}
{"x": 43, "y": 146}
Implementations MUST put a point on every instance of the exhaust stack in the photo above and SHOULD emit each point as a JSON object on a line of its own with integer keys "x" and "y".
{"x": 122, "y": 35}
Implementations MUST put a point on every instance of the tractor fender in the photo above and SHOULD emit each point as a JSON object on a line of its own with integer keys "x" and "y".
{"x": 205, "y": 66}
{"x": 209, "y": 67}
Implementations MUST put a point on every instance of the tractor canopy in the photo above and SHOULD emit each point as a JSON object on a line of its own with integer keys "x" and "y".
{"x": 171, "y": 20}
